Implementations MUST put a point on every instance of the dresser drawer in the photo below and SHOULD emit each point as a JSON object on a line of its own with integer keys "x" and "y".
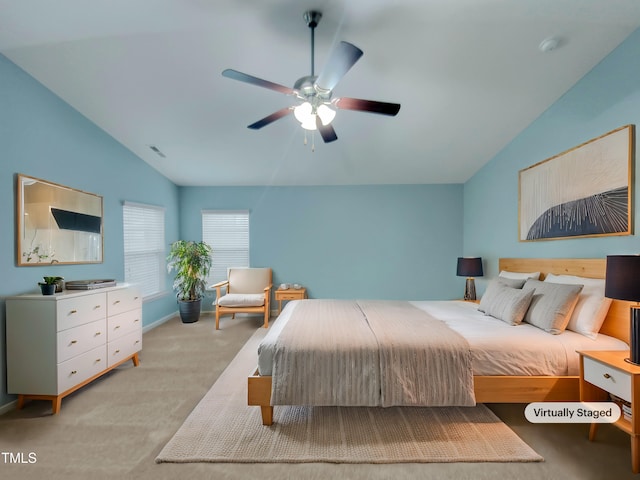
{"x": 124, "y": 323}
{"x": 74, "y": 311}
{"x": 81, "y": 339}
{"x": 119, "y": 301}
{"x": 124, "y": 347}
{"x": 78, "y": 369}
{"x": 607, "y": 378}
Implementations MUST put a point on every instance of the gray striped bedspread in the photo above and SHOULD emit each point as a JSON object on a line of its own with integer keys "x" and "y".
{"x": 369, "y": 353}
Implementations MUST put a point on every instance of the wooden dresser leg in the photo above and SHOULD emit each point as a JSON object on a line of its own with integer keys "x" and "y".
{"x": 135, "y": 359}
{"x": 20, "y": 402}
{"x": 267, "y": 415}
{"x": 635, "y": 453}
{"x": 55, "y": 404}
{"x": 593, "y": 428}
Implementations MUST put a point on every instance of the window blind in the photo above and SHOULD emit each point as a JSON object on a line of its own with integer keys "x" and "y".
{"x": 227, "y": 232}
{"x": 144, "y": 247}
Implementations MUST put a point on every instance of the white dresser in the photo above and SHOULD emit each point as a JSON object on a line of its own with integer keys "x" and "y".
{"x": 59, "y": 343}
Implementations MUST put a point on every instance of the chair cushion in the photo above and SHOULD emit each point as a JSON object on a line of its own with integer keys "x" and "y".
{"x": 249, "y": 280}
{"x": 241, "y": 300}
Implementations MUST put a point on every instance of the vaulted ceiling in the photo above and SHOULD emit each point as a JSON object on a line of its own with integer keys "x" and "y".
{"x": 469, "y": 74}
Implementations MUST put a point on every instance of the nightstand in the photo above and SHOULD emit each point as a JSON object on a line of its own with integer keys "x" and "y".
{"x": 606, "y": 372}
{"x": 289, "y": 294}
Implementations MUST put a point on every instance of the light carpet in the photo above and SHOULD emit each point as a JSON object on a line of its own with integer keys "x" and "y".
{"x": 223, "y": 428}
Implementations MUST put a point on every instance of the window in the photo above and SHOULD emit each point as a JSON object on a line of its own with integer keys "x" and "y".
{"x": 144, "y": 248}
{"x": 227, "y": 233}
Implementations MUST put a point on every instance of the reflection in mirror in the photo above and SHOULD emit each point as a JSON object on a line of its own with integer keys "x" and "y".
{"x": 57, "y": 224}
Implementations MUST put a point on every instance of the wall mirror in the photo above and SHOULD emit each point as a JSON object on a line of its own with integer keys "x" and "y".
{"x": 57, "y": 224}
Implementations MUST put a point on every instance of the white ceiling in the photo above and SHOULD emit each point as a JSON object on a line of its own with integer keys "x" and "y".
{"x": 468, "y": 73}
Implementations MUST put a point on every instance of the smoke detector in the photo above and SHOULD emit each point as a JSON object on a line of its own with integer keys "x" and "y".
{"x": 549, "y": 44}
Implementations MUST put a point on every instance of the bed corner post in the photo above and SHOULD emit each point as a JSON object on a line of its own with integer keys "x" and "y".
{"x": 267, "y": 415}
{"x": 259, "y": 394}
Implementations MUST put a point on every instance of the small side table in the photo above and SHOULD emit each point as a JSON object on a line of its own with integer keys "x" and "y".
{"x": 289, "y": 294}
{"x": 606, "y": 372}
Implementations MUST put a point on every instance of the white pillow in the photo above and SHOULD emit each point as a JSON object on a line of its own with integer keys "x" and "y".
{"x": 520, "y": 275}
{"x": 592, "y": 307}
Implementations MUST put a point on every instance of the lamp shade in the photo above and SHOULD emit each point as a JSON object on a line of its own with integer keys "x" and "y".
{"x": 622, "y": 281}
{"x": 469, "y": 267}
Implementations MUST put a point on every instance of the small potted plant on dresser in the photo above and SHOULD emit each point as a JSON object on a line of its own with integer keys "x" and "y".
{"x": 48, "y": 286}
{"x": 192, "y": 262}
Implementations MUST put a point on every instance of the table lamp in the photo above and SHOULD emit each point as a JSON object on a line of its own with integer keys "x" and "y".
{"x": 622, "y": 282}
{"x": 469, "y": 267}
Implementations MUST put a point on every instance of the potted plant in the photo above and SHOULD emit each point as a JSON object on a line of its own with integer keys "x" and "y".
{"x": 191, "y": 262}
{"x": 48, "y": 286}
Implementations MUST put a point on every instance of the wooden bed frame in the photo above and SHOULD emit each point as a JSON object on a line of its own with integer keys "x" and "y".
{"x": 509, "y": 389}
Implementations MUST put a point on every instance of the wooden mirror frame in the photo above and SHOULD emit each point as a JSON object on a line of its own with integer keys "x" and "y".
{"x": 56, "y": 224}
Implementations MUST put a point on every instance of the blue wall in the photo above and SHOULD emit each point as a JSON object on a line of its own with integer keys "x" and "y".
{"x": 392, "y": 241}
{"x": 42, "y": 136}
{"x": 608, "y": 97}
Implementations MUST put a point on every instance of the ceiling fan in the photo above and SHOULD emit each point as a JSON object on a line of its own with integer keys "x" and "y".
{"x": 315, "y": 111}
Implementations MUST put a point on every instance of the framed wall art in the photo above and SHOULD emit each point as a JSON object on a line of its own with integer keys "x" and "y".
{"x": 583, "y": 192}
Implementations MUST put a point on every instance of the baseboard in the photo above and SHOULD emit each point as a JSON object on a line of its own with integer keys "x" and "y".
{"x": 159, "y": 322}
{"x": 8, "y": 406}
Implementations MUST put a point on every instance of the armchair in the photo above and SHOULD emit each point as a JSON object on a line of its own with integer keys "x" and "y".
{"x": 248, "y": 290}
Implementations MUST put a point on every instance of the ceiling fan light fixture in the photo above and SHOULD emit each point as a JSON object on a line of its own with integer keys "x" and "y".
{"x": 305, "y": 115}
{"x": 303, "y": 112}
{"x": 326, "y": 114}
{"x": 309, "y": 124}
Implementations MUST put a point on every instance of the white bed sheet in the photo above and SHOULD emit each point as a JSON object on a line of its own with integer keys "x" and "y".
{"x": 496, "y": 348}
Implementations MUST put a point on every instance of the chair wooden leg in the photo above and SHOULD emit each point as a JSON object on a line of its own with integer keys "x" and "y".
{"x": 217, "y": 319}
{"x": 266, "y": 319}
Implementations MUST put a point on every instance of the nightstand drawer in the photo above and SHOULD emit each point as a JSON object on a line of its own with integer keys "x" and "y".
{"x": 610, "y": 379}
{"x": 290, "y": 295}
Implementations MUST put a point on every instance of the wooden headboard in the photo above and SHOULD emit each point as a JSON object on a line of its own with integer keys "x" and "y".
{"x": 616, "y": 324}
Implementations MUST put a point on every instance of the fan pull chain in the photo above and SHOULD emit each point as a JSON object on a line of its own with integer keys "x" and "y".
{"x": 313, "y": 141}
{"x": 305, "y": 137}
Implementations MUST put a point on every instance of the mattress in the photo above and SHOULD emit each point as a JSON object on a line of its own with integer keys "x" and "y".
{"x": 496, "y": 347}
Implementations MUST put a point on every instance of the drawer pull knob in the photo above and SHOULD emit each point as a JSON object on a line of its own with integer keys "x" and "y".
{"x": 98, "y": 360}
{"x": 98, "y": 333}
{"x": 96, "y": 307}
{"x": 116, "y": 327}
{"x": 137, "y": 342}
{"x": 73, "y": 372}
{"x": 606, "y": 375}
{"x": 73, "y": 311}
{"x": 136, "y": 320}
{"x": 135, "y": 298}
{"x": 116, "y": 302}
{"x": 117, "y": 351}
{"x": 74, "y": 341}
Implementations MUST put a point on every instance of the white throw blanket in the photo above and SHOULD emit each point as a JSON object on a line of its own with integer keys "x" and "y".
{"x": 369, "y": 353}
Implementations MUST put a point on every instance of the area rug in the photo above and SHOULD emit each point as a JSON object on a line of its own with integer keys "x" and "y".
{"x": 222, "y": 428}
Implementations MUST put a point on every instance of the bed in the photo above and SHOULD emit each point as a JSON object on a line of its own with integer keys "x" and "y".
{"x": 499, "y": 374}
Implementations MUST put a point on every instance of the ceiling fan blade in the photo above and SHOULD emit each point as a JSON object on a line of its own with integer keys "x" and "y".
{"x": 243, "y": 77}
{"x": 271, "y": 118}
{"x": 372, "y": 106}
{"x": 340, "y": 61}
{"x": 327, "y": 132}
